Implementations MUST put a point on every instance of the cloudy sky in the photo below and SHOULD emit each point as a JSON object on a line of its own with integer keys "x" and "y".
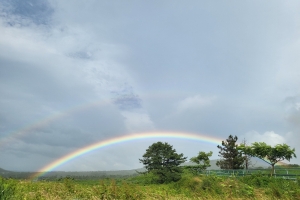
{"x": 76, "y": 72}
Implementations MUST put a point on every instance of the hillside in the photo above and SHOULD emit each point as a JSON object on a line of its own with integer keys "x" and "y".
{"x": 3, "y": 170}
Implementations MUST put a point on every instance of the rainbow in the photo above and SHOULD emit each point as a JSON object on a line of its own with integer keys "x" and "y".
{"x": 121, "y": 139}
{"x": 29, "y": 128}
{"x": 54, "y": 116}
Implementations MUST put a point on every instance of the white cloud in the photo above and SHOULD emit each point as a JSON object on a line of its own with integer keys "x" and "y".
{"x": 269, "y": 137}
{"x": 94, "y": 51}
{"x": 272, "y": 138}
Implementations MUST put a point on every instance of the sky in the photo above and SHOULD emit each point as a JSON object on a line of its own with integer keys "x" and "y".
{"x": 73, "y": 73}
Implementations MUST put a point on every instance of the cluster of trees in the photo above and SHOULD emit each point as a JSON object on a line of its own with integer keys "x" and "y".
{"x": 236, "y": 156}
{"x": 163, "y": 162}
{"x": 267, "y": 153}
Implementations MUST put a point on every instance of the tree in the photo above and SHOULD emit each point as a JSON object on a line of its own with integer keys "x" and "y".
{"x": 269, "y": 154}
{"x": 163, "y": 162}
{"x": 232, "y": 158}
{"x": 201, "y": 161}
{"x": 247, "y": 158}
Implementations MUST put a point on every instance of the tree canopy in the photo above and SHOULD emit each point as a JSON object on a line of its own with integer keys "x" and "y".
{"x": 269, "y": 154}
{"x": 163, "y": 162}
{"x": 231, "y": 157}
{"x": 201, "y": 161}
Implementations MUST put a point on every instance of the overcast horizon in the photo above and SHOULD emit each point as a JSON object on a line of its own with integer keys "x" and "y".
{"x": 77, "y": 72}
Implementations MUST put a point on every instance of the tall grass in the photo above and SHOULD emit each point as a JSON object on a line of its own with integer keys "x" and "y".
{"x": 140, "y": 187}
{"x": 7, "y": 188}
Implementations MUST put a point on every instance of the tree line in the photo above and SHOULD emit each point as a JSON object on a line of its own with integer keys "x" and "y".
{"x": 163, "y": 162}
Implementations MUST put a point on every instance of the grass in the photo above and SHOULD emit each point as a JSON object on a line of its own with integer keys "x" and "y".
{"x": 140, "y": 187}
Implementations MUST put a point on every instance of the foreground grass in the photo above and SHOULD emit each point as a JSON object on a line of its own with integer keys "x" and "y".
{"x": 140, "y": 187}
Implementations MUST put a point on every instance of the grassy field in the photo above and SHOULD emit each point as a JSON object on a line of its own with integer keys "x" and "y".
{"x": 140, "y": 187}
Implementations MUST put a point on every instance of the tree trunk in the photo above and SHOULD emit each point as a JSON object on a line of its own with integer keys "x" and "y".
{"x": 273, "y": 169}
{"x": 246, "y": 162}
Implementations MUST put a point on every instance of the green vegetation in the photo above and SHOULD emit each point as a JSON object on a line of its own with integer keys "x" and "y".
{"x": 162, "y": 161}
{"x": 201, "y": 161}
{"x": 190, "y": 186}
{"x": 7, "y": 188}
{"x": 272, "y": 154}
{"x": 166, "y": 179}
{"x": 232, "y": 158}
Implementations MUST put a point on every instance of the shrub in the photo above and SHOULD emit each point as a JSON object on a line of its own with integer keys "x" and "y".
{"x": 212, "y": 184}
{"x": 257, "y": 180}
{"x": 247, "y": 190}
{"x": 275, "y": 191}
{"x": 189, "y": 182}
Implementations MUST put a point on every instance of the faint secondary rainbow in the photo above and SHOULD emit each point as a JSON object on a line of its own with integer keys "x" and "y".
{"x": 29, "y": 128}
{"x": 44, "y": 122}
{"x": 121, "y": 139}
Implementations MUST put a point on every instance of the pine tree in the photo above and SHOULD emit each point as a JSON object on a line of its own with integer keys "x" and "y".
{"x": 231, "y": 157}
{"x": 163, "y": 162}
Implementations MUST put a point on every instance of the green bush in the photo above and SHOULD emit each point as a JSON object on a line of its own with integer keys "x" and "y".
{"x": 276, "y": 188}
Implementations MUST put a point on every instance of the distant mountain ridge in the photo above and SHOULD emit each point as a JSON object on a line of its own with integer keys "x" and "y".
{"x": 256, "y": 163}
{"x": 3, "y": 170}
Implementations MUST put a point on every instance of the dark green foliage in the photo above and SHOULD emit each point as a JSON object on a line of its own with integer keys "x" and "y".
{"x": 231, "y": 157}
{"x": 163, "y": 162}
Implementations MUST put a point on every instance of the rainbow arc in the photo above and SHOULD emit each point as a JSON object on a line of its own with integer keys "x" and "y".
{"x": 122, "y": 139}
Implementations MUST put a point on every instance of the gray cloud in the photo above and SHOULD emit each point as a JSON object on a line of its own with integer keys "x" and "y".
{"x": 127, "y": 101}
{"x": 125, "y": 98}
{"x": 76, "y": 73}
